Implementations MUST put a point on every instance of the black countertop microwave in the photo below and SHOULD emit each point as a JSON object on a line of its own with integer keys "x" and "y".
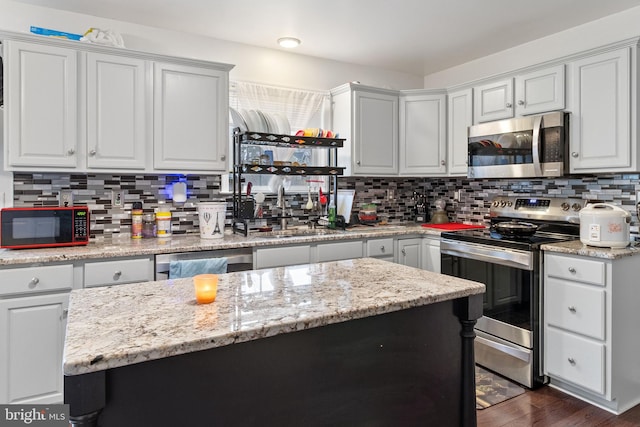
{"x": 44, "y": 227}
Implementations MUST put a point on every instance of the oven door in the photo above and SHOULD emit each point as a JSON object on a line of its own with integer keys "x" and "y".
{"x": 508, "y": 332}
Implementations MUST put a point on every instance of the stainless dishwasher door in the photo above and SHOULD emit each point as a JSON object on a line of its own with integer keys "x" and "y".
{"x": 237, "y": 260}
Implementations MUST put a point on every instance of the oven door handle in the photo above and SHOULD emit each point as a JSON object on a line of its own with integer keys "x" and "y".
{"x": 478, "y": 254}
{"x": 504, "y": 348}
{"x": 536, "y": 143}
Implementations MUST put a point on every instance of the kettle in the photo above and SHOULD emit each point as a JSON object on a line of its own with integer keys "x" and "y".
{"x": 440, "y": 216}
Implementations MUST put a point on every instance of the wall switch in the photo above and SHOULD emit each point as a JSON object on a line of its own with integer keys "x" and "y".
{"x": 65, "y": 198}
{"x": 456, "y": 195}
{"x": 117, "y": 198}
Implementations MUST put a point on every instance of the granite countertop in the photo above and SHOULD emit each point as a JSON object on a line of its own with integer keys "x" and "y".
{"x": 126, "y": 324}
{"x": 576, "y": 247}
{"x": 192, "y": 242}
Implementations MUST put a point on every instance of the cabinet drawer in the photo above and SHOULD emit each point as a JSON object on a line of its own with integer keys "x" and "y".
{"x": 36, "y": 279}
{"x": 339, "y": 250}
{"x": 282, "y": 255}
{"x": 380, "y": 247}
{"x": 575, "y": 359}
{"x": 583, "y": 270}
{"x": 575, "y": 307}
{"x": 106, "y": 273}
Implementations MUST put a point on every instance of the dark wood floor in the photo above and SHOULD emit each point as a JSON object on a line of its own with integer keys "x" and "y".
{"x": 549, "y": 407}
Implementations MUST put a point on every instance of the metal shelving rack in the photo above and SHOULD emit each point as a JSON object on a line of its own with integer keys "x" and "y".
{"x": 241, "y": 215}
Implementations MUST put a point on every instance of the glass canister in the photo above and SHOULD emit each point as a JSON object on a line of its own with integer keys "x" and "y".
{"x": 149, "y": 225}
{"x": 163, "y": 223}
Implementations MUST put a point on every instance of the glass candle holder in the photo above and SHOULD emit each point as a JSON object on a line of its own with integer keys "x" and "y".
{"x": 206, "y": 287}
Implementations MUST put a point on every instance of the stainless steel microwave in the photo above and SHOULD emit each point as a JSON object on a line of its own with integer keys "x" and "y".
{"x": 44, "y": 227}
{"x": 532, "y": 146}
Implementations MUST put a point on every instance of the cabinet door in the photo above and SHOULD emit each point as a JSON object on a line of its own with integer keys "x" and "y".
{"x": 540, "y": 91}
{"x": 422, "y": 135}
{"x": 191, "y": 118}
{"x": 338, "y": 251}
{"x": 459, "y": 118}
{"x": 375, "y": 133}
{"x": 431, "y": 254}
{"x": 116, "y": 112}
{"x": 409, "y": 252}
{"x": 32, "y": 332}
{"x": 493, "y": 101}
{"x": 41, "y": 105}
{"x": 280, "y": 256}
{"x": 601, "y": 119}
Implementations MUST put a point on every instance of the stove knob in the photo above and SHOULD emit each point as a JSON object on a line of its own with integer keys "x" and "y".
{"x": 565, "y": 206}
{"x": 503, "y": 204}
{"x": 576, "y": 207}
{"x": 496, "y": 203}
{"x": 509, "y": 203}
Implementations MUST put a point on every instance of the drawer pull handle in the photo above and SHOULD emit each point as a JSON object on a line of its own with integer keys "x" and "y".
{"x": 572, "y": 270}
{"x": 572, "y": 309}
{"x": 34, "y": 281}
{"x": 381, "y": 248}
{"x": 404, "y": 252}
{"x": 117, "y": 274}
{"x": 571, "y": 361}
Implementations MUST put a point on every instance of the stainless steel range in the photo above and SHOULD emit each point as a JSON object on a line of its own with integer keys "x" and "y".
{"x": 506, "y": 258}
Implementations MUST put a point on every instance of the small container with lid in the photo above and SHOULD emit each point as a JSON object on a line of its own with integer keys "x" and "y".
{"x": 149, "y": 225}
{"x": 163, "y": 222}
{"x": 136, "y": 220}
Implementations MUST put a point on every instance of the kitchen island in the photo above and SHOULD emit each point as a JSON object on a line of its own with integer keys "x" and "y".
{"x": 356, "y": 342}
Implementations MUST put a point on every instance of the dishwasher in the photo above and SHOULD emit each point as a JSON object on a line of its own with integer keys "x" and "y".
{"x": 237, "y": 260}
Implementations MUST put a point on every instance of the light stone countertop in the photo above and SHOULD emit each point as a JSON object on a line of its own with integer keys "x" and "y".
{"x": 126, "y": 247}
{"x": 126, "y": 324}
{"x": 576, "y": 247}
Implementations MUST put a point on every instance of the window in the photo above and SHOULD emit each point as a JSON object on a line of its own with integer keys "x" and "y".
{"x": 302, "y": 108}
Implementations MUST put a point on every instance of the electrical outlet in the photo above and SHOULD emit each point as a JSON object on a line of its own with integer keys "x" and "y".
{"x": 65, "y": 198}
{"x": 117, "y": 198}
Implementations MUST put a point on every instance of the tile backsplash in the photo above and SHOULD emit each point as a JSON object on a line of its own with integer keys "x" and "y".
{"x": 393, "y": 196}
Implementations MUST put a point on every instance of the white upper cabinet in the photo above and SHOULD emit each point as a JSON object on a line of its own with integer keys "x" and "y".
{"x": 191, "y": 120}
{"x": 423, "y": 143}
{"x": 459, "y": 118}
{"x": 493, "y": 101}
{"x": 540, "y": 91}
{"x": 41, "y": 93}
{"x": 368, "y": 118}
{"x": 603, "y": 122}
{"x": 117, "y": 112}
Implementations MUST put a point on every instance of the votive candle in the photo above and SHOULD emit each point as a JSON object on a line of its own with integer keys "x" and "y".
{"x": 206, "y": 287}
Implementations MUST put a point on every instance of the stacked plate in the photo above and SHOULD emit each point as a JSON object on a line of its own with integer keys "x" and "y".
{"x": 260, "y": 121}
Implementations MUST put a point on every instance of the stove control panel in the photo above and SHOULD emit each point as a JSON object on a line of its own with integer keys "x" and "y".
{"x": 539, "y": 208}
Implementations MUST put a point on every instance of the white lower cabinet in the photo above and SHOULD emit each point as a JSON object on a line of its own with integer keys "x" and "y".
{"x": 280, "y": 256}
{"x": 409, "y": 252}
{"x": 118, "y": 272}
{"x": 337, "y": 251}
{"x": 33, "y": 316}
{"x": 380, "y": 248}
{"x": 591, "y": 344}
{"x": 431, "y": 253}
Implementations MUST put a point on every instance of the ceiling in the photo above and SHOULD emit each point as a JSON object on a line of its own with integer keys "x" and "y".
{"x": 414, "y": 36}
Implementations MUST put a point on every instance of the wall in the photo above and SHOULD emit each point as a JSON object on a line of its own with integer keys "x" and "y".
{"x": 610, "y": 29}
{"x": 255, "y": 64}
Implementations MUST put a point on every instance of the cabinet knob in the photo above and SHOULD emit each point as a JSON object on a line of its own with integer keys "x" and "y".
{"x": 223, "y": 158}
{"x": 572, "y": 270}
{"x": 572, "y": 309}
{"x": 521, "y": 102}
{"x": 71, "y": 151}
{"x": 508, "y": 105}
{"x": 442, "y": 163}
{"x": 117, "y": 274}
{"x": 571, "y": 361}
{"x": 358, "y": 163}
{"x": 34, "y": 281}
{"x": 574, "y": 154}
{"x": 92, "y": 152}
{"x": 381, "y": 248}
{"x": 404, "y": 252}
{"x": 65, "y": 313}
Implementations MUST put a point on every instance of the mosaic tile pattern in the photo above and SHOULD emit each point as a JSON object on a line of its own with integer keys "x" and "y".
{"x": 393, "y": 196}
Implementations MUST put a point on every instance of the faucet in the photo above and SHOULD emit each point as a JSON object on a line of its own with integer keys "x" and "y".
{"x": 282, "y": 205}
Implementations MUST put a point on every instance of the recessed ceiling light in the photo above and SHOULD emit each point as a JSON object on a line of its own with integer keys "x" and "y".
{"x": 289, "y": 42}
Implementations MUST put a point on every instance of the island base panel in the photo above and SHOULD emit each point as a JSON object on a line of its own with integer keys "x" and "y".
{"x": 400, "y": 368}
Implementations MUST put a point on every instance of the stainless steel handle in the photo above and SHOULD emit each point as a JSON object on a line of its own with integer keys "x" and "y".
{"x": 71, "y": 151}
{"x": 381, "y": 248}
{"x": 508, "y": 105}
{"x": 521, "y": 102}
{"x": 223, "y": 157}
{"x": 571, "y": 309}
{"x": 574, "y": 154}
{"x": 572, "y": 270}
{"x": 34, "y": 281}
{"x": 512, "y": 351}
{"x": 117, "y": 275}
{"x": 536, "y": 144}
{"x": 92, "y": 152}
{"x": 571, "y": 361}
{"x": 404, "y": 252}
